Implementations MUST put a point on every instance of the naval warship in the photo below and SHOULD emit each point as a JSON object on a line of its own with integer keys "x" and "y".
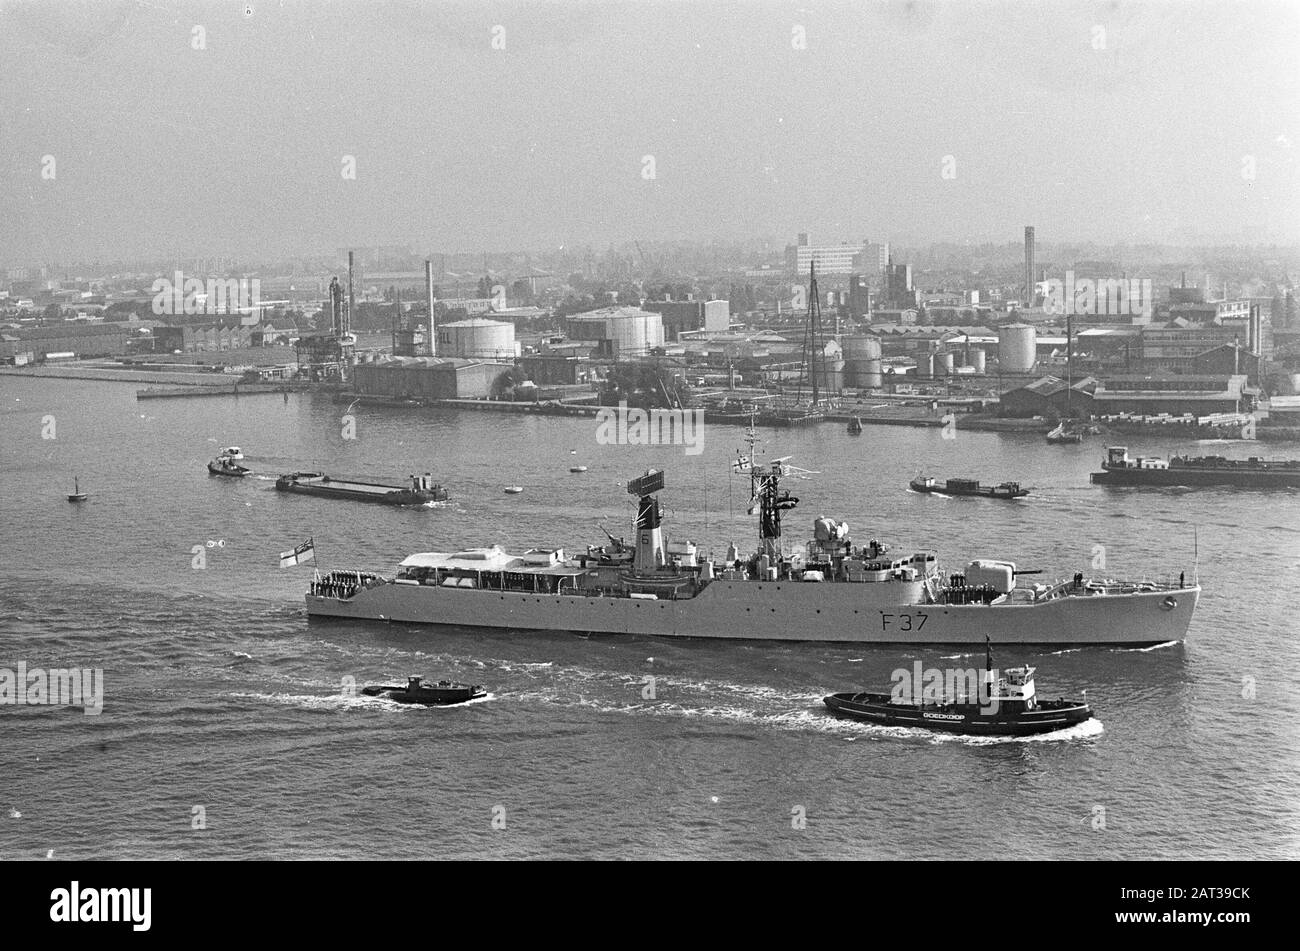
{"x": 830, "y": 590}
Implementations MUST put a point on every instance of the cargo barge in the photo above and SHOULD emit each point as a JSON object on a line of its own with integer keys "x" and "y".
{"x": 1003, "y": 490}
{"x": 1119, "y": 469}
{"x": 422, "y": 490}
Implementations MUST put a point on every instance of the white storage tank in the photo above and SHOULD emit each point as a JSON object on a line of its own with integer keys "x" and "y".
{"x": 478, "y": 338}
{"x": 976, "y": 360}
{"x": 1017, "y": 348}
{"x": 943, "y": 363}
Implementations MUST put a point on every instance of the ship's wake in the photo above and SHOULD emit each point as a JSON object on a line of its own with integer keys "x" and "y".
{"x": 1143, "y": 650}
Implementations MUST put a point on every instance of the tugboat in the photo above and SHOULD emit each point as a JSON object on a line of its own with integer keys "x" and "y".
{"x": 76, "y": 495}
{"x": 421, "y": 491}
{"x": 1006, "y": 706}
{"x": 442, "y": 694}
{"x": 1003, "y": 490}
{"x": 226, "y": 464}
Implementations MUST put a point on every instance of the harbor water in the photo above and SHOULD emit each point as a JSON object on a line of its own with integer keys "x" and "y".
{"x": 228, "y": 729}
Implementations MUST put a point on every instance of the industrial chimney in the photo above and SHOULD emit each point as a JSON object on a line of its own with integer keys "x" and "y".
{"x": 432, "y": 344}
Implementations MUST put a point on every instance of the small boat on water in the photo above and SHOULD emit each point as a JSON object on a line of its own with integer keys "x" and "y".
{"x": 232, "y": 452}
{"x": 1063, "y": 434}
{"x": 421, "y": 491}
{"x": 1003, "y": 490}
{"x": 76, "y": 495}
{"x": 855, "y": 427}
{"x": 514, "y": 489}
{"x": 1004, "y": 705}
{"x": 577, "y": 468}
{"x": 225, "y": 465}
{"x": 442, "y": 694}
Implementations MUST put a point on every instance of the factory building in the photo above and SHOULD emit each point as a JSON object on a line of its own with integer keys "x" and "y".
{"x": 428, "y": 378}
{"x": 617, "y": 332}
{"x": 1050, "y": 396}
{"x": 1150, "y": 395}
{"x": 86, "y": 341}
{"x": 684, "y": 316}
{"x": 1178, "y": 344}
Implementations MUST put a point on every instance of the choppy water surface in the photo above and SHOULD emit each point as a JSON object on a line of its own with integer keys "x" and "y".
{"x": 220, "y": 693}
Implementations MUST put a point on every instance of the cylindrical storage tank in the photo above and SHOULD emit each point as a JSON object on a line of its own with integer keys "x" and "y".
{"x": 860, "y": 347}
{"x": 862, "y": 369}
{"x": 831, "y": 378}
{"x": 976, "y": 360}
{"x": 925, "y": 365}
{"x": 943, "y": 363}
{"x": 478, "y": 338}
{"x": 1017, "y": 348}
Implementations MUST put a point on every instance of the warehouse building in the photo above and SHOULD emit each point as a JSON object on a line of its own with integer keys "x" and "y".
{"x": 1148, "y": 395}
{"x": 685, "y": 316}
{"x": 428, "y": 378}
{"x": 1051, "y": 397}
{"x": 86, "y": 341}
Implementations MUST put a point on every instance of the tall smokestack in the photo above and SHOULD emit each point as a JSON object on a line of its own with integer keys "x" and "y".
{"x": 432, "y": 344}
{"x": 352, "y": 301}
{"x": 1029, "y": 266}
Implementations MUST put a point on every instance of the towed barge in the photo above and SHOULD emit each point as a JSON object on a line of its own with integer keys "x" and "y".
{"x": 422, "y": 490}
{"x": 970, "y": 487}
{"x": 1119, "y": 469}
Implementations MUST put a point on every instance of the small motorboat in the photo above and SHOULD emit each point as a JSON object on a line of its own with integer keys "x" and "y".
{"x": 442, "y": 694}
{"x": 1004, "y": 705}
{"x": 1062, "y": 435}
{"x": 76, "y": 495}
{"x": 227, "y": 466}
{"x": 855, "y": 427}
{"x": 514, "y": 489}
{"x": 577, "y": 468}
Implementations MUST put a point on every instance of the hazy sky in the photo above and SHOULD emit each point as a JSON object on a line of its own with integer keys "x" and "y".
{"x": 1115, "y": 121}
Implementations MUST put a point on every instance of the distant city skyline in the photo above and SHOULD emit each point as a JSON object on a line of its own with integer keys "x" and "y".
{"x": 138, "y": 131}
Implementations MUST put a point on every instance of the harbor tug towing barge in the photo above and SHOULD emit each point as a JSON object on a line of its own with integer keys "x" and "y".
{"x": 1005, "y": 705}
{"x": 830, "y": 590}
